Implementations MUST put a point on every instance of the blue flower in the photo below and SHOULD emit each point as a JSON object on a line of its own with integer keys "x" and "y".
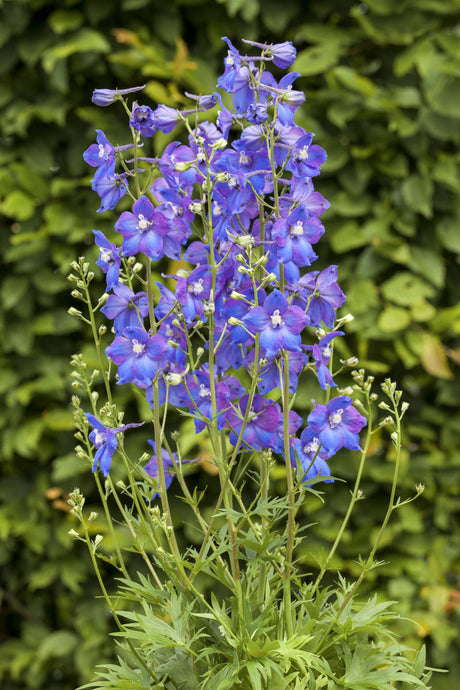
{"x": 337, "y": 424}
{"x": 279, "y": 324}
{"x": 105, "y": 97}
{"x": 126, "y": 309}
{"x": 137, "y": 355}
{"x": 109, "y": 259}
{"x": 143, "y": 120}
{"x": 311, "y": 455}
{"x": 143, "y": 230}
{"x": 105, "y": 441}
{"x": 168, "y": 465}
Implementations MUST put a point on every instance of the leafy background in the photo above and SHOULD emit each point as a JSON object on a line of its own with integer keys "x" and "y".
{"x": 383, "y": 97}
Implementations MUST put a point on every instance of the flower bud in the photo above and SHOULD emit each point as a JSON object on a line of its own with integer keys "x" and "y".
{"x": 196, "y": 207}
{"x": 182, "y": 166}
{"x": 233, "y": 321}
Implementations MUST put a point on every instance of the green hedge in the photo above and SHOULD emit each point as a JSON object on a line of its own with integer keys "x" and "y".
{"x": 383, "y": 97}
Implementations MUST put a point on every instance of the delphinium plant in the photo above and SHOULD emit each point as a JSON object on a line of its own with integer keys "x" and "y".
{"x": 242, "y": 321}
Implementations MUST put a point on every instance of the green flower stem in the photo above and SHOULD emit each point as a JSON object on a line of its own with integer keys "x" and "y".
{"x": 107, "y": 598}
{"x": 97, "y": 340}
{"x": 391, "y": 506}
{"x": 157, "y": 429}
{"x": 128, "y": 523}
{"x": 108, "y": 517}
{"x": 291, "y": 498}
{"x": 353, "y": 500}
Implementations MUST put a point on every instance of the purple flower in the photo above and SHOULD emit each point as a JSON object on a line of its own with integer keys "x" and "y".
{"x": 282, "y": 54}
{"x": 137, "y": 355}
{"x": 168, "y": 465}
{"x": 102, "y": 154}
{"x": 126, "y": 309}
{"x": 143, "y": 120}
{"x": 105, "y": 97}
{"x": 279, "y": 324}
{"x": 143, "y": 230}
{"x": 109, "y": 186}
{"x": 322, "y": 354}
{"x": 322, "y": 295}
{"x": 264, "y": 422}
{"x": 306, "y": 158}
{"x": 337, "y": 424}
{"x": 105, "y": 441}
{"x": 109, "y": 259}
{"x": 311, "y": 455}
{"x": 166, "y": 118}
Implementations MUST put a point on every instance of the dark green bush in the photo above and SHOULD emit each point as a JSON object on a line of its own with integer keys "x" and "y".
{"x": 383, "y": 97}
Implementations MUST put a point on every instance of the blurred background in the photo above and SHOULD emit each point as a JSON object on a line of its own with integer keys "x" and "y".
{"x": 382, "y": 80}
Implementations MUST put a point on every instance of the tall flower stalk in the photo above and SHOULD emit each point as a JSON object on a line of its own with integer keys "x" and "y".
{"x": 246, "y": 321}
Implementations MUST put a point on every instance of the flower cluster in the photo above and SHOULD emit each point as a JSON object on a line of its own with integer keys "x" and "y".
{"x": 238, "y": 204}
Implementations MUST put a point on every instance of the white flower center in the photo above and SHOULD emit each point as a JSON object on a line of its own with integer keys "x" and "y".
{"x": 169, "y": 331}
{"x": 197, "y": 287}
{"x": 326, "y": 351}
{"x": 335, "y": 418}
{"x": 244, "y": 159}
{"x": 232, "y": 181}
{"x": 297, "y": 229}
{"x": 229, "y": 61}
{"x": 99, "y": 438}
{"x": 217, "y": 209}
{"x": 303, "y": 153}
{"x": 143, "y": 224}
{"x": 101, "y": 153}
{"x": 312, "y": 447}
{"x": 200, "y": 156}
{"x": 138, "y": 348}
{"x": 106, "y": 255}
{"x": 204, "y": 392}
{"x": 276, "y": 319}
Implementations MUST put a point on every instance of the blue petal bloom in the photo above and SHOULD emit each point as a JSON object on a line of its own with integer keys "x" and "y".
{"x": 279, "y": 324}
{"x": 105, "y": 97}
{"x": 337, "y": 424}
{"x": 137, "y": 355}
{"x": 105, "y": 441}
{"x": 168, "y": 465}
{"x": 126, "y": 309}
{"x": 109, "y": 259}
{"x": 311, "y": 455}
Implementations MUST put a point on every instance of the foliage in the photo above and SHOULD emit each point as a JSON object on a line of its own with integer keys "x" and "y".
{"x": 381, "y": 79}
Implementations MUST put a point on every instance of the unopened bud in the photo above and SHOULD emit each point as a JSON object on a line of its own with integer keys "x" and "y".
{"x": 352, "y": 362}
{"x": 420, "y": 488}
{"x": 73, "y": 533}
{"x": 182, "y": 166}
{"x": 74, "y": 312}
{"x": 196, "y": 207}
{"x": 220, "y": 143}
{"x": 233, "y": 321}
{"x": 102, "y": 329}
{"x": 92, "y": 516}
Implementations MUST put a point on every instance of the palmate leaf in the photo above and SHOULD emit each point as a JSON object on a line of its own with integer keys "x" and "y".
{"x": 369, "y": 668}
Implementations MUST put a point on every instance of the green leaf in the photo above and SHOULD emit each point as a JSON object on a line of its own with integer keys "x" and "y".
{"x": 393, "y": 319}
{"x": 417, "y": 192}
{"x": 447, "y": 229}
{"x": 349, "y": 78}
{"x": 317, "y": 59}
{"x": 84, "y": 40}
{"x": 434, "y": 358}
{"x": 65, "y": 20}
{"x": 406, "y": 289}
{"x": 57, "y": 644}
{"x": 429, "y": 264}
{"x": 18, "y": 205}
